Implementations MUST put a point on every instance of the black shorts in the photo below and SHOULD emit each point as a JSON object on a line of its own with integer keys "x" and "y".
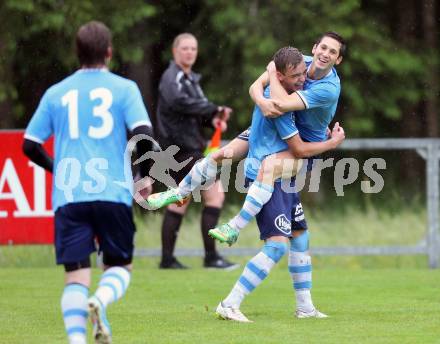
{"x": 283, "y": 213}
{"x": 78, "y": 224}
{"x": 182, "y": 156}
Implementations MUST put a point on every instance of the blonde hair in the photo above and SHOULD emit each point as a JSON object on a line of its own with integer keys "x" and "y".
{"x": 181, "y": 37}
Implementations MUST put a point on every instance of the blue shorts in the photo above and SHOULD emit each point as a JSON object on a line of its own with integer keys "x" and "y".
{"x": 282, "y": 214}
{"x": 78, "y": 224}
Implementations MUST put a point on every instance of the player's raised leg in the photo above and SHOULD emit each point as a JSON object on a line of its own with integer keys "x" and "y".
{"x": 280, "y": 165}
{"x": 202, "y": 172}
{"x": 258, "y": 194}
{"x": 256, "y": 270}
{"x": 300, "y": 268}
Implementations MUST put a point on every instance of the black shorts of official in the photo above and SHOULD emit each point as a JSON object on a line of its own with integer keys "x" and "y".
{"x": 78, "y": 224}
{"x": 182, "y": 156}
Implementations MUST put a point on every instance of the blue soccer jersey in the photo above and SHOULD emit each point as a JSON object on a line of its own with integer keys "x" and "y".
{"x": 267, "y": 136}
{"x": 89, "y": 113}
{"x": 321, "y": 99}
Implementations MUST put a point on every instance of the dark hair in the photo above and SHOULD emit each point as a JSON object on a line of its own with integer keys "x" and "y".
{"x": 336, "y": 36}
{"x": 287, "y": 57}
{"x": 92, "y": 42}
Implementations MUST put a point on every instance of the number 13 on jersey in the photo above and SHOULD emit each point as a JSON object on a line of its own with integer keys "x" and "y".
{"x": 70, "y": 99}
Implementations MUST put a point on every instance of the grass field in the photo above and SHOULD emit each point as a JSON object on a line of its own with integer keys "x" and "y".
{"x": 369, "y": 299}
{"x": 348, "y": 225}
{"x": 365, "y": 306}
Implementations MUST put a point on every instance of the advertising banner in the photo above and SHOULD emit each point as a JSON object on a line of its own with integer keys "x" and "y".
{"x": 25, "y": 194}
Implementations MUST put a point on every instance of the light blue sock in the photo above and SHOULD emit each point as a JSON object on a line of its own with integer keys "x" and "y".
{"x": 257, "y": 196}
{"x": 203, "y": 171}
{"x": 75, "y": 311}
{"x": 113, "y": 285}
{"x": 255, "y": 272}
{"x": 300, "y": 268}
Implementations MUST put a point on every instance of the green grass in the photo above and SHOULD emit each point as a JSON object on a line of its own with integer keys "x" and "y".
{"x": 369, "y": 299}
{"x": 365, "y": 306}
{"x": 329, "y": 226}
{"x": 349, "y": 225}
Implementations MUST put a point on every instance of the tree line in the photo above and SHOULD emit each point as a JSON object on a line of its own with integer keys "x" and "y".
{"x": 390, "y": 76}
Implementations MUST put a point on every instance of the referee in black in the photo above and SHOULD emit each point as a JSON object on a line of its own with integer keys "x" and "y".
{"x": 183, "y": 111}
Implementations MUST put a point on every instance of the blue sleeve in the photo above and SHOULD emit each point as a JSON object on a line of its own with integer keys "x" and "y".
{"x": 266, "y": 92}
{"x": 320, "y": 95}
{"x": 285, "y": 125}
{"x": 134, "y": 110}
{"x": 40, "y": 128}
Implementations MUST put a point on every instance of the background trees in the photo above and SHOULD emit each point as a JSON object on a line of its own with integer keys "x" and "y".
{"x": 390, "y": 77}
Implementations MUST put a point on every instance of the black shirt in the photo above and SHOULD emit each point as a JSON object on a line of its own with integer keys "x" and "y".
{"x": 183, "y": 110}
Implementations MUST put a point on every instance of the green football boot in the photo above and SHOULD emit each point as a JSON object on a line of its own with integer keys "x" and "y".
{"x": 162, "y": 199}
{"x": 225, "y": 234}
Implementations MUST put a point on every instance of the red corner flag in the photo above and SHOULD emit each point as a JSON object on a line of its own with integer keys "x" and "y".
{"x": 215, "y": 141}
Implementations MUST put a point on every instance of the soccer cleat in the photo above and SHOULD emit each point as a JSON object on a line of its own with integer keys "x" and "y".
{"x": 172, "y": 263}
{"x": 162, "y": 199}
{"x": 230, "y": 313}
{"x": 224, "y": 233}
{"x": 101, "y": 327}
{"x": 218, "y": 262}
{"x": 313, "y": 314}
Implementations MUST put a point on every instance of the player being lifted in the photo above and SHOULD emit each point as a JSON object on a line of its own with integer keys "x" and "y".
{"x": 89, "y": 113}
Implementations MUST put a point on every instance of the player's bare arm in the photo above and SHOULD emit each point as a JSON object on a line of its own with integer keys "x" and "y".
{"x": 283, "y": 101}
{"x": 267, "y": 106}
{"x": 286, "y": 164}
{"x": 236, "y": 150}
{"x": 301, "y": 149}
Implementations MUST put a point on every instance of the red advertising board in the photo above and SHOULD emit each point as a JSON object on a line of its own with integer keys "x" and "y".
{"x": 25, "y": 194}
